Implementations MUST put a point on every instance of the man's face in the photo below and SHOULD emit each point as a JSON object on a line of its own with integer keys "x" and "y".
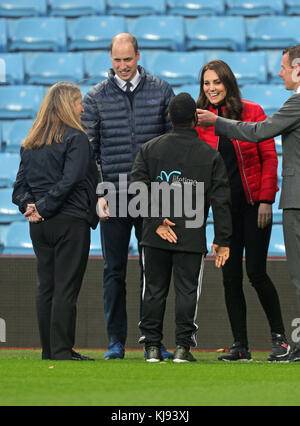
{"x": 124, "y": 60}
{"x": 289, "y": 74}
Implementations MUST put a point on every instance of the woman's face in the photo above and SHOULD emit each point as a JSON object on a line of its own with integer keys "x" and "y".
{"x": 78, "y": 108}
{"x": 213, "y": 88}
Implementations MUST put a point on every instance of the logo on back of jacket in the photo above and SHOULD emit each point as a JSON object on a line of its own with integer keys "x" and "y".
{"x": 176, "y": 178}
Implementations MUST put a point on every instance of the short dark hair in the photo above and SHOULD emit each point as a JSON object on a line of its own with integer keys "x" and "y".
{"x": 182, "y": 110}
{"x": 293, "y": 52}
{"x": 125, "y": 37}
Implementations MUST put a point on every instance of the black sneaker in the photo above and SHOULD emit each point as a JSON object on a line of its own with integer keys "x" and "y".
{"x": 153, "y": 354}
{"x": 280, "y": 348}
{"x": 182, "y": 354}
{"x": 237, "y": 353}
{"x": 78, "y": 357}
{"x": 294, "y": 355}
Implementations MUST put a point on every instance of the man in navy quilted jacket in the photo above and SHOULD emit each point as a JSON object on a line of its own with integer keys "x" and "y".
{"x": 120, "y": 114}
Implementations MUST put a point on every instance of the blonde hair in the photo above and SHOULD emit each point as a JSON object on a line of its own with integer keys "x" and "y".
{"x": 56, "y": 112}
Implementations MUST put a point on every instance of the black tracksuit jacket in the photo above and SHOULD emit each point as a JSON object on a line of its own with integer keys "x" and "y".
{"x": 191, "y": 160}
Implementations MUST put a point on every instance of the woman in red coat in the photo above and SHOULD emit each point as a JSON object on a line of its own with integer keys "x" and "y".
{"x": 252, "y": 173}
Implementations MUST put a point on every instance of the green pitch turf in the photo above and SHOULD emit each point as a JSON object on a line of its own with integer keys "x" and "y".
{"x": 26, "y": 380}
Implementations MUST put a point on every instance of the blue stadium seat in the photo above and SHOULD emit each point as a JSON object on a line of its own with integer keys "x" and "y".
{"x": 292, "y": 7}
{"x": 11, "y": 68}
{"x": 159, "y": 32}
{"x": 95, "y": 246}
{"x": 9, "y": 212}
{"x": 3, "y": 35}
{"x": 210, "y": 235}
{"x": 13, "y": 133}
{"x": 85, "y": 89}
{"x": 94, "y": 32}
{"x": 274, "y": 58}
{"x": 196, "y": 7}
{"x": 275, "y": 32}
{"x": 178, "y": 68}
{"x": 50, "y": 67}
{"x": 22, "y": 8}
{"x": 39, "y": 33}
{"x": 248, "y": 67}
{"x": 17, "y": 239}
{"x": 278, "y": 144}
{"x": 269, "y": 96}
{"x": 277, "y": 246}
{"x": 73, "y": 8}
{"x": 20, "y": 101}
{"x": 133, "y": 244}
{"x": 225, "y": 32}
{"x": 9, "y": 166}
{"x": 135, "y": 7}
{"x": 277, "y": 214}
{"x": 192, "y": 89}
{"x": 279, "y": 169}
{"x": 96, "y": 66}
{"x": 255, "y": 7}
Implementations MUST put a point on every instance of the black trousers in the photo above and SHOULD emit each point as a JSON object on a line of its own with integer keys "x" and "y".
{"x": 246, "y": 235}
{"x": 187, "y": 271}
{"x": 61, "y": 245}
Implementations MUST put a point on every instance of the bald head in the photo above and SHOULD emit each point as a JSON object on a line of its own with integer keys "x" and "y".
{"x": 124, "y": 56}
{"x": 125, "y": 38}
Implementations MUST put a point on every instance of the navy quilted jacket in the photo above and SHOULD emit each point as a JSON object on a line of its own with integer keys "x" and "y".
{"x": 117, "y": 127}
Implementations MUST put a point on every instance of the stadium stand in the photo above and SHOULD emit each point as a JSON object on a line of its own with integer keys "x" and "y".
{"x": 13, "y": 132}
{"x": 12, "y": 71}
{"x": 292, "y": 7}
{"x": 17, "y": 239}
{"x": 9, "y": 212}
{"x": 22, "y": 8}
{"x": 9, "y": 168}
{"x": 135, "y": 7}
{"x": 195, "y": 7}
{"x": 46, "y": 68}
{"x": 3, "y": 35}
{"x": 20, "y": 101}
{"x": 255, "y": 7}
{"x": 269, "y": 96}
{"x": 97, "y": 65}
{"x": 76, "y": 8}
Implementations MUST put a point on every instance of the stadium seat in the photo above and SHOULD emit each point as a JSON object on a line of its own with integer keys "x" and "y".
{"x": 255, "y": 7}
{"x": 17, "y": 239}
{"x": 269, "y": 96}
{"x": 277, "y": 246}
{"x": 9, "y": 212}
{"x": 135, "y": 7}
{"x": 11, "y": 68}
{"x": 278, "y": 144}
{"x": 41, "y": 33}
{"x": 292, "y": 7}
{"x": 277, "y": 214}
{"x": 13, "y": 133}
{"x": 3, "y": 35}
{"x": 248, "y": 67}
{"x": 159, "y": 32}
{"x": 21, "y": 8}
{"x": 133, "y": 244}
{"x": 196, "y": 7}
{"x": 94, "y": 32}
{"x": 178, "y": 68}
{"x": 192, "y": 89}
{"x": 210, "y": 235}
{"x": 275, "y": 32}
{"x": 74, "y": 8}
{"x": 20, "y": 101}
{"x": 9, "y": 166}
{"x": 50, "y": 67}
{"x": 225, "y": 32}
{"x": 95, "y": 246}
{"x": 96, "y": 66}
{"x": 274, "y": 58}
{"x": 279, "y": 169}
{"x": 84, "y": 90}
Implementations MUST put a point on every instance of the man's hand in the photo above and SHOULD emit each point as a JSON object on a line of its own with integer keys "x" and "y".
{"x": 32, "y": 214}
{"x": 222, "y": 254}
{"x": 264, "y": 215}
{"x": 206, "y": 118}
{"x": 102, "y": 209}
{"x": 166, "y": 232}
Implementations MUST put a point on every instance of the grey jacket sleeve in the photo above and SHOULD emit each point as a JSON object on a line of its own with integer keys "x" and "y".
{"x": 283, "y": 121}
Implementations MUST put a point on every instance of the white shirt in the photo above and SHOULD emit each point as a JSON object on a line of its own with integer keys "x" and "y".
{"x": 298, "y": 90}
{"x": 134, "y": 82}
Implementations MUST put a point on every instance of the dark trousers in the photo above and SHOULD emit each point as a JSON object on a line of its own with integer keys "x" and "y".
{"x": 115, "y": 238}
{"x": 246, "y": 234}
{"x": 61, "y": 245}
{"x": 187, "y": 271}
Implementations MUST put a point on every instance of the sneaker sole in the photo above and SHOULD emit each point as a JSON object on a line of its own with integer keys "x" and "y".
{"x": 236, "y": 360}
{"x": 178, "y": 361}
{"x": 153, "y": 360}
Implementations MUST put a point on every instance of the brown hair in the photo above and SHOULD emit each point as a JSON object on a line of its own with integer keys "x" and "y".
{"x": 233, "y": 100}
{"x": 293, "y": 52}
{"x": 56, "y": 112}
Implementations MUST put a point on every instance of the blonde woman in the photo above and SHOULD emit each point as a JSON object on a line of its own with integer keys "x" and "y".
{"x": 55, "y": 188}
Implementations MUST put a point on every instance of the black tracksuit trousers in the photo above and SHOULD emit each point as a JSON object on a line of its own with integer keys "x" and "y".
{"x": 187, "y": 271}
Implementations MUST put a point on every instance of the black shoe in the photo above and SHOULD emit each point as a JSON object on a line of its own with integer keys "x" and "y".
{"x": 78, "y": 357}
{"x": 182, "y": 354}
{"x": 237, "y": 353}
{"x": 153, "y": 354}
{"x": 280, "y": 348}
{"x": 294, "y": 355}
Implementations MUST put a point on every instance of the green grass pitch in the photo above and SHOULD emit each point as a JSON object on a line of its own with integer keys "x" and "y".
{"x": 26, "y": 380}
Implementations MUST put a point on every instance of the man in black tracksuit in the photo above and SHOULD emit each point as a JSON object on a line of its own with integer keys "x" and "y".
{"x": 174, "y": 242}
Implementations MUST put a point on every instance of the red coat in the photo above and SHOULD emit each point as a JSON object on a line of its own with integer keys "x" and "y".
{"x": 257, "y": 161}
